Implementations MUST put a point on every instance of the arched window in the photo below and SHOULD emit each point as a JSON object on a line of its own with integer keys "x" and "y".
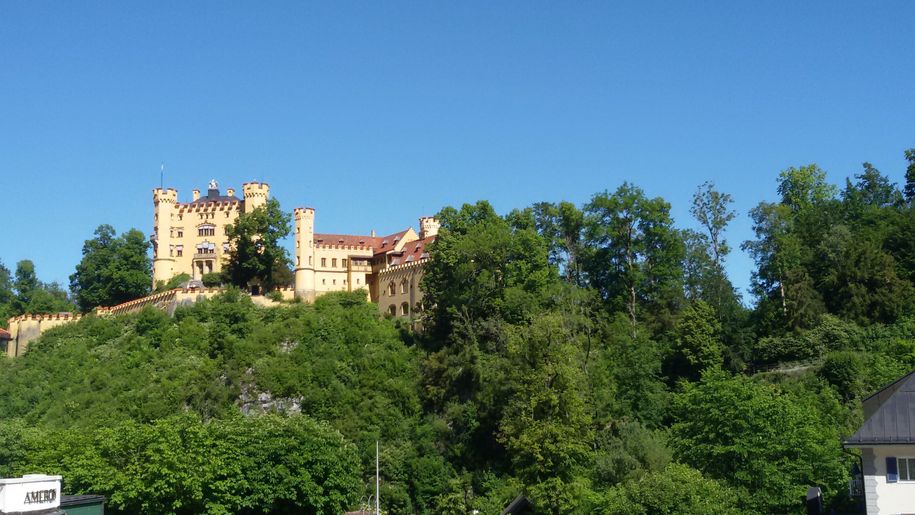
{"x": 404, "y": 309}
{"x": 403, "y": 286}
{"x": 392, "y": 289}
{"x": 392, "y": 310}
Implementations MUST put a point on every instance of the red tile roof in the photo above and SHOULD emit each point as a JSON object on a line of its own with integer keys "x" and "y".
{"x": 4, "y": 334}
{"x": 414, "y": 251}
{"x": 380, "y": 244}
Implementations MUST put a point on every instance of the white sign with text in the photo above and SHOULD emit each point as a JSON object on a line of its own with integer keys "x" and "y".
{"x": 33, "y": 492}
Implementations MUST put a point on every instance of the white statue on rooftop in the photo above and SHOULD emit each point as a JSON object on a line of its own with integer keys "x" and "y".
{"x": 213, "y": 184}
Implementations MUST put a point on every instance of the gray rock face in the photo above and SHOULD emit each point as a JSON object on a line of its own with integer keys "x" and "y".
{"x": 252, "y": 401}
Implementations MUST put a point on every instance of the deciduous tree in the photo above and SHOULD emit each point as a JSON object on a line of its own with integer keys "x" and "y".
{"x": 114, "y": 269}
{"x": 255, "y": 253}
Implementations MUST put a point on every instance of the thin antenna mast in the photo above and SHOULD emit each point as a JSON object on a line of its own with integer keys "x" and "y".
{"x": 377, "y": 482}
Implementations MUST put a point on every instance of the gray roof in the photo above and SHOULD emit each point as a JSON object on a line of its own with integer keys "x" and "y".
{"x": 889, "y": 415}
{"x": 214, "y": 196}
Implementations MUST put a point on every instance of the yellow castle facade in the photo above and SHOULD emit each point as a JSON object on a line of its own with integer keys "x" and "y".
{"x": 190, "y": 238}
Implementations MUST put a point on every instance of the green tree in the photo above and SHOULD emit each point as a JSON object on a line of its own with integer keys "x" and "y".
{"x": 113, "y": 269}
{"x": 678, "y": 489}
{"x": 255, "y": 253}
{"x": 859, "y": 280}
{"x": 26, "y": 284}
{"x": 482, "y": 267}
{"x": 34, "y": 296}
{"x": 872, "y": 189}
{"x": 546, "y": 427}
{"x": 780, "y": 276}
{"x": 804, "y": 187}
{"x": 766, "y": 445}
{"x": 909, "y": 189}
{"x": 698, "y": 343}
{"x": 635, "y": 254}
{"x": 562, "y": 225}
{"x": 6, "y": 295}
{"x": 706, "y": 278}
{"x": 712, "y": 209}
{"x": 843, "y": 370}
{"x": 264, "y": 464}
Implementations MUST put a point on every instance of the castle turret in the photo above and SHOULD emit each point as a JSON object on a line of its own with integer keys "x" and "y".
{"x": 255, "y": 195}
{"x": 164, "y": 201}
{"x": 428, "y": 226}
{"x": 305, "y": 253}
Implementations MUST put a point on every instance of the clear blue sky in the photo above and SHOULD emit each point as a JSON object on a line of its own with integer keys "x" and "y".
{"x": 376, "y": 113}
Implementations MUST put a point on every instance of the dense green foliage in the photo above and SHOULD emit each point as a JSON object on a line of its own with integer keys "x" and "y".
{"x": 22, "y": 292}
{"x": 266, "y": 464}
{"x": 114, "y": 269}
{"x": 594, "y": 358}
{"x": 256, "y": 257}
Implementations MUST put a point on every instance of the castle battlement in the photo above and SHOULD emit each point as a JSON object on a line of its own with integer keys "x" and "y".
{"x": 403, "y": 266}
{"x": 42, "y": 317}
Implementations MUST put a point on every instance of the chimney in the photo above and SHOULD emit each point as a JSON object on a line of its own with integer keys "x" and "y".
{"x": 196, "y": 194}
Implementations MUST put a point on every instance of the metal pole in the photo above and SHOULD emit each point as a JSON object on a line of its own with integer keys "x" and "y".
{"x": 377, "y": 481}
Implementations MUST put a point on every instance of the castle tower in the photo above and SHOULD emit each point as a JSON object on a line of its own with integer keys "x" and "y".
{"x": 164, "y": 201}
{"x": 305, "y": 253}
{"x": 255, "y": 195}
{"x": 428, "y": 226}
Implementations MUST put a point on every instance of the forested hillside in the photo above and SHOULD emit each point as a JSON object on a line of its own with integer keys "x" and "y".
{"x": 595, "y": 358}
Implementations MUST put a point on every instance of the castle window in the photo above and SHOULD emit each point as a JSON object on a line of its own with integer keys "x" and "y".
{"x": 335, "y": 282}
{"x": 343, "y": 262}
{"x": 206, "y": 230}
{"x": 206, "y": 248}
{"x": 179, "y": 250}
{"x": 297, "y": 261}
{"x": 324, "y": 262}
{"x": 344, "y": 281}
{"x": 392, "y": 310}
{"x": 392, "y": 289}
{"x": 333, "y": 262}
{"x": 310, "y": 260}
{"x": 323, "y": 281}
{"x": 404, "y": 309}
{"x": 403, "y": 286}
{"x": 180, "y": 233}
{"x": 357, "y": 281}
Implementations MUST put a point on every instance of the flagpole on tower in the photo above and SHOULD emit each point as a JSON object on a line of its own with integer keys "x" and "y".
{"x": 161, "y": 175}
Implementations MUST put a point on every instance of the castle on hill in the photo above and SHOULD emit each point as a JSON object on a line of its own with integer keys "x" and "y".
{"x": 190, "y": 238}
